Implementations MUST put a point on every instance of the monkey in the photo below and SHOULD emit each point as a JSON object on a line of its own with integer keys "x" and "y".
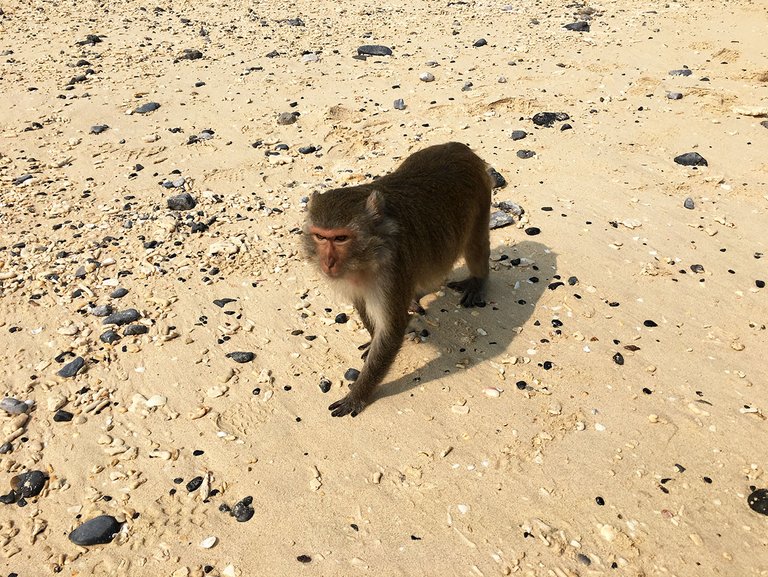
{"x": 382, "y": 242}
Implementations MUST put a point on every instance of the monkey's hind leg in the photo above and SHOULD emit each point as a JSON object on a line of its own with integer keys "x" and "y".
{"x": 476, "y": 254}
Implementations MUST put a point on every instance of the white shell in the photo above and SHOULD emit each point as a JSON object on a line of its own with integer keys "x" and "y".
{"x": 209, "y": 542}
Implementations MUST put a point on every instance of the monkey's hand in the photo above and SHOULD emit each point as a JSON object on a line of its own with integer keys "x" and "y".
{"x": 365, "y": 347}
{"x": 349, "y": 405}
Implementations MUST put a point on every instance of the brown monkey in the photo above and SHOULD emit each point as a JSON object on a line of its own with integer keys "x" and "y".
{"x": 380, "y": 243}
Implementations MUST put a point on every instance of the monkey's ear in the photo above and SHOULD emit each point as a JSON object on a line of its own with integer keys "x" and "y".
{"x": 375, "y": 204}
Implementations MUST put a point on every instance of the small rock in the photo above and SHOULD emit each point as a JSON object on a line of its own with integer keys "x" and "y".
{"x": 509, "y": 206}
{"x": 578, "y": 26}
{"x": 532, "y": 231}
{"x": 479, "y": 42}
{"x": 190, "y": 54}
{"x": 691, "y": 159}
{"x": 62, "y": 416}
{"x": 500, "y": 219}
{"x": 71, "y": 368}
{"x": 101, "y": 310}
{"x": 618, "y": 358}
{"x": 697, "y": 268}
{"x": 680, "y": 72}
{"x": 325, "y": 385}
{"x": 758, "y": 501}
{"x": 525, "y": 154}
{"x": 98, "y": 531}
{"x": 399, "y": 104}
{"x": 341, "y": 318}
{"x": 307, "y": 149}
{"x": 98, "y": 128}
{"x": 351, "y": 375}
{"x": 243, "y": 511}
{"x": 122, "y": 317}
{"x": 13, "y": 406}
{"x": 147, "y": 107}
{"x": 688, "y": 203}
{"x": 427, "y": 77}
{"x": 132, "y": 330}
{"x": 518, "y": 134}
{"x": 109, "y": 337}
{"x": 21, "y": 179}
{"x": 29, "y": 484}
{"x": 304, "y": 559}
{"x": 374, "y": 50}
{"x": 549, "y": 118}
{"x": 183, "y": 201}
{"x": 221, "y": 303}
{"x": 118, "y": 293}
{"x": 286, "y": 118}
{"x": 674, "y": 95}
{"x": 498, "y": 180}
{"x": 241, "y": 356}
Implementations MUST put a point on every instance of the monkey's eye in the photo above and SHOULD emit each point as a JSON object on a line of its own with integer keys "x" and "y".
{"x": 342, "y": 238}
{"x": 320, "y": 238}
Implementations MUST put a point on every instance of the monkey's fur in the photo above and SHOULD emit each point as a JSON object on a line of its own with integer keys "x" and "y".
{"x": 384, "y": 242}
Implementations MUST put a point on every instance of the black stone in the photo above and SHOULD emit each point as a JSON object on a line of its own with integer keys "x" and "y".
{"x": 479, "y": 42}
{"x": 304, "y": 559}
{"x": 118, "y": 293}
{"x": 122, "y": 317}
{"x": 147, "y": 107}
{"x": 549, "y": 118}
{"x": 498, "y": 180}
{"x": 688, "y": 203}
{"x": 183, "y": 201}
{"x": 71, "y": 368}
{"x": 573, "y": 280}
{"x": 325, "y": 385}
{"x": 760, "y": 283}
{"x": 521, "y": 385}
{"x": 691, "y": 159}
{"x": 241, "y": 356}
{"x": 98, "y": 128}
{"x": 194, "y": 484}
{"x": 525, "y": 154}
{"x": 532, "y": 231}
{"x": 758, "y": 501}
{"x": 764, "y": 123}
{"x": 29, "y": 484}
{"x": 518, "y": 134}
{"x": 62, "y": 416}
{"x": 500, "y": 219}
{"x": 399, "y": 104}
{"x": 190, "y": 54}
{"x": 341, "y": 318}
{"x": 221, "y": 303}
{"x": 578, "y": 26}
{"x": 351, "y": 375}
{"x": 98, "y": 531}
{"x": 618, "y": 358}
{"x": 21, "y": 179}
{"x": 697, "y": 268}
{"x": 374, "y": 50}
{"x": 109, "y": 337}
{"x": 565, "y": 127}
{"x": 307, "y": 149}
{"x": 132, "y": 330}
{"x": 243, "y": 511}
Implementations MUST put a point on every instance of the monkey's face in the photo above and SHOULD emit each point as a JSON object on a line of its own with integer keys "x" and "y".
{"x": 332, "y": 248}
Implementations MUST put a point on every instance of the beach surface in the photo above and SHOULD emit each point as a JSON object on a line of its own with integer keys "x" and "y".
{"x": 605, "y": 414}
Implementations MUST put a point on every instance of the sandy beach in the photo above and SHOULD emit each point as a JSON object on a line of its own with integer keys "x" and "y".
{"x": 605, "y": 414}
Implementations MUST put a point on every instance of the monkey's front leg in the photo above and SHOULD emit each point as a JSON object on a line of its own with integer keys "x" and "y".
{"x": 384, "y": 347}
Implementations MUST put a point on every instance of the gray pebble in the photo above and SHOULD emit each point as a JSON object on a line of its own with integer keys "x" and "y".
{"x": 285, "y": 118}
{"x": 479, "y": 42}
{"x": 691, "y": 159}
{"x": 578, "y": 26}
{"x": 98, "y": 128}
{"x": 518, "y": 134}
{"x": 13, "y": 406}
{"x": 147, "y": 107}
{"x": 689, "y": 204}
{"x": 374, "y": 50}
{"x": 307, "y": 149}
{"x": 241, "y": 356}
{"x": 122, "y": 317}
{"x": 183, "y": 201}
{"x": 21, "y": 179}
{"x": 71, "y": 368}
{"x": 352, "y": 374}
{"x": 118, "y": 293}
{"x": 500, "y": 219}
{"x": 680, "y": 72}
{"x": 109, "y": 337}
{"x": 426, "y": 77}
{"x": 498, "y": 180}
{"x": 101, "y": 310}
{"x": 242, "y": 510}
{"x": 525, "y": 154}
{"x": 399, "y": 104}
{"x": 97, "y": 531}
{"x": 29, "y": 484}
{"x": 674, "y": 95}
{"x": 132, "y": 330}
{"x": 509, "y": 206}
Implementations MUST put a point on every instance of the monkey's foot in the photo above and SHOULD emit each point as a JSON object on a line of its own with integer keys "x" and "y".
{"x": 365, "y": 347}
{"x": 349, "y": 405}
{"x": 416, "y": 309}
{"x": 473, "y": 289}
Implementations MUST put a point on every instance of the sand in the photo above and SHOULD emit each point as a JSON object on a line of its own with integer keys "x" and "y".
{"x": 508, "y": 440}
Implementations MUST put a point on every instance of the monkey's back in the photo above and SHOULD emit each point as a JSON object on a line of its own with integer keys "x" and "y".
{"x": 442, "y": 195}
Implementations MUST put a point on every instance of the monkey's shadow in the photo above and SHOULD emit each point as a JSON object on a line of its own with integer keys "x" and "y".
{"x": 514, "y": 290}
